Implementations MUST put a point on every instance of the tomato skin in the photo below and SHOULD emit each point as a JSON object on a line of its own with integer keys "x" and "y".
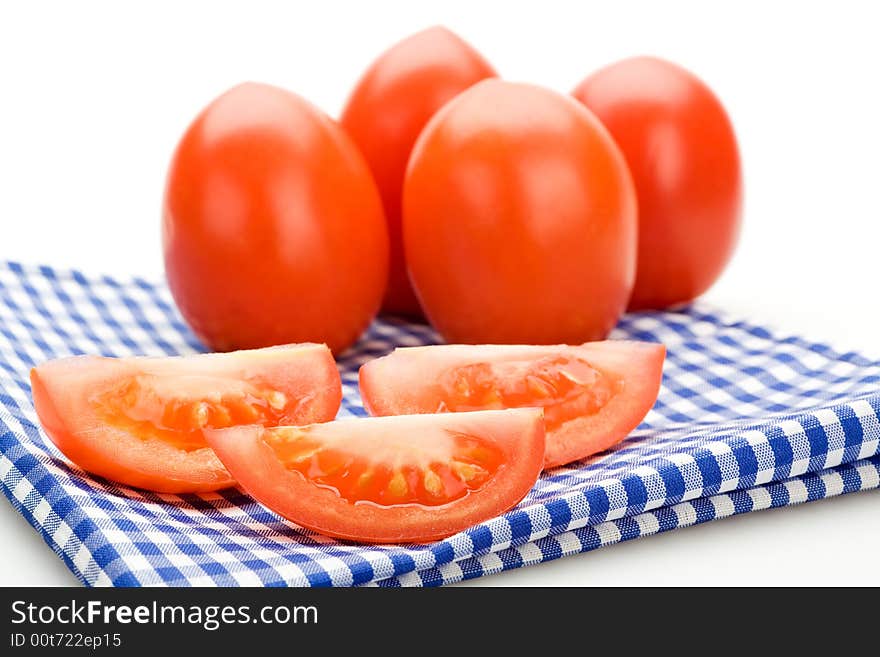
{"x": 683, "y": 155}
{"x": 519, "y": 434}
{"x": 411, "y": 380}
{"x": 272, "y": 227}
{"x": 64, "y": 392}
{"x": 519, "y": 219}
{"x": 397, "y": 95}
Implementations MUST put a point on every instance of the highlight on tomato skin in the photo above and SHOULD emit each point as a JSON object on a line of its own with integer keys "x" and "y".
{"x": 139, "y": 421}
{"x": 401, "y": 479}
{"x": 391, "y": 103}
{"x": 593, "y": 395}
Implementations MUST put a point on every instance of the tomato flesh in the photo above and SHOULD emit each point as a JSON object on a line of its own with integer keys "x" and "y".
{"x": 152, "y": 406}
{"x": 399, "y": 479}
{"x": 440, "y": 472}
{"x": 564, "y": 387}
{"x": 140, "y": 421}
{"x": 592, "y": 395}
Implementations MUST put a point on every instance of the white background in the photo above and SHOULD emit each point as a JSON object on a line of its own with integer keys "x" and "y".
{"x": 93, "y": 97}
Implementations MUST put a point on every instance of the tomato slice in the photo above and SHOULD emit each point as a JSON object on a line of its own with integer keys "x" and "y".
{"x": 404, "y": 479}
{"x": 139, "y": 421}
{"x": 593, "y": 395}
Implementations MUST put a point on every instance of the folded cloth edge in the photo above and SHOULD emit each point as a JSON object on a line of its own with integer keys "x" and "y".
{"x": 769, "y": 449}
{"x": 857, "y": 476}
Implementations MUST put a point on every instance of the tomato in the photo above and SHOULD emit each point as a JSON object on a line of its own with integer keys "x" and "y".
{"x": 387, "y": 110}
{"x": 593, "y": 395}
{"x": 273, "y": 228}
{"x": 682, "y": 151}
{"x": 519, "y": 219}
{"x": 139, "y": 421}
{"x": 406, "y": 479}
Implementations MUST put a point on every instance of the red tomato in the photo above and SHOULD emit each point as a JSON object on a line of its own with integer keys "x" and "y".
{"x": 387, "y": 110}
{"x": 406, "y": 479}
{"x": 519, "y": 219}
{"x": 273, "y": 226}
{"x": 593, "y": 395}
{"x": 139, "y": 421}
{"x": 683, "y": 155}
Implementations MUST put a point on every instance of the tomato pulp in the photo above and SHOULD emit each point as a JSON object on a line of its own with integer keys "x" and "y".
{"x": 399, "y": 479}
{"x": 139, "y": 421}
{"x": 592, "y": 395}
{"x": 387, "y": 110}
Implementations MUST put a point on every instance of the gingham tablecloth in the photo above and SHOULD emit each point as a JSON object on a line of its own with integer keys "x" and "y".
{"x": 746, "y": 420}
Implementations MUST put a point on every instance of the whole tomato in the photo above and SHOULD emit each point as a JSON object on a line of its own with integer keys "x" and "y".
{"x": 272, "y": 227}
{"x": 519, "y": 219}
{"x": 683, "y": 155}
{"x": 387, "y": 110}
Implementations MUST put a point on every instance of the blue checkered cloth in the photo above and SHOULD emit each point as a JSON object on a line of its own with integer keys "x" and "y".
{"x": 746, "y": 420}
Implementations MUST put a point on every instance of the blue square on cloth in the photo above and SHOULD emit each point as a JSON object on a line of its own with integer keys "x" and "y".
{"x": 746, "y": 420}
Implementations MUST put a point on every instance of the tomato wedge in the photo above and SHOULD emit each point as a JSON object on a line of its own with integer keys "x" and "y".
{"x": 139, "y": 421}
{"x": 405, "y": 479}
{"x": 593, "y": 395}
